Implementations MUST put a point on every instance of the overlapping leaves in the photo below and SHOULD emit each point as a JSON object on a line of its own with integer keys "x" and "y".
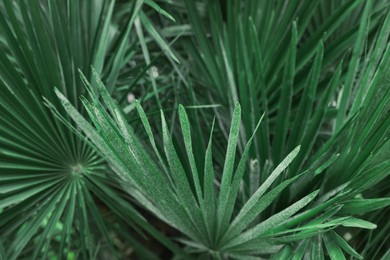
{"x": 51, "y": 180}
{"x": 318, "y": 70}
{"x": 204, "y": 212}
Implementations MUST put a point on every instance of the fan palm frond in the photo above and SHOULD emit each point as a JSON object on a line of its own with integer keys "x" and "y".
{"x": 213, "y": 221}
{"x": 52, "y": 180}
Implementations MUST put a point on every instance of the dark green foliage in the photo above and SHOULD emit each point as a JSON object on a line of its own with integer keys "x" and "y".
{"x": 280, "y": 149}
{"x": 52, "y": 179}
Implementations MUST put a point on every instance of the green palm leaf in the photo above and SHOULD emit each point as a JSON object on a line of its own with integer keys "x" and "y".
{"x": 52, "y": 179}
{"x": 176, "y": 196}
{"x": 295, "y": 165}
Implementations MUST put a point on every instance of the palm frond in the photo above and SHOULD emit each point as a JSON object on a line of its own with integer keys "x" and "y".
{"x": 176, "y": 195}
{"x": 295, "y": 164}
{"x": 52, "y": 180}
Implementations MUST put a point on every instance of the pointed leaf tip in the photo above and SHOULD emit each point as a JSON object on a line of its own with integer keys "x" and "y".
{"x": 59, "y": 93}
{"x": 56, "y": 90}
{"x": 296, "y": 150}
{"x": 181, "y": 107}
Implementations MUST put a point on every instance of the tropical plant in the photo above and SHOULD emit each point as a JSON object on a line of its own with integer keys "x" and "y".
{"x": 52, "y": 181}
{"x": 294, "y": 95}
